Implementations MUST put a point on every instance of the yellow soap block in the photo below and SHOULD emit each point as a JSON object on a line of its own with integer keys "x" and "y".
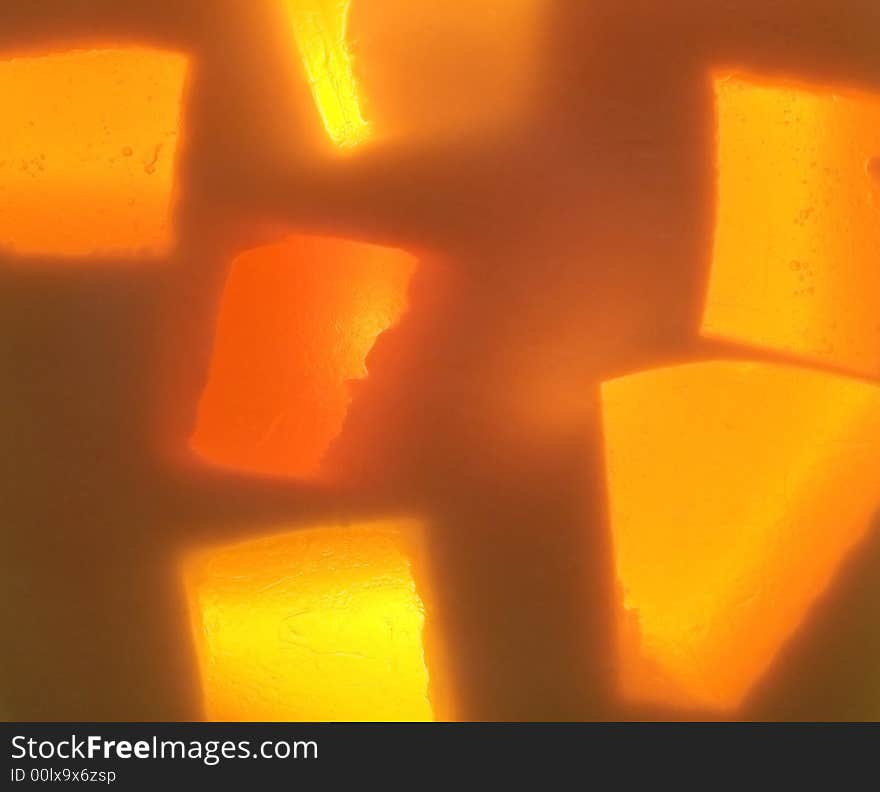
{"x": 456, "y": 72}
{"x": 88, "y": 141}
{"x": 798, "y": 223}
{"x": 323, "y": 624}
{"x": 319, "y": 28}
{"x": 735, "y": 491}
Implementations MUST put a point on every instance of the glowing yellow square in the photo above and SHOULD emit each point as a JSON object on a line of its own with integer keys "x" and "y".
{"x": 88, "y": 141}
{"x": 322, "y": 624}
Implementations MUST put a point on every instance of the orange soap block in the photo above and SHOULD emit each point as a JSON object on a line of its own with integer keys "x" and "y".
{"x": 296, "y": 323}
{"x": 735, "y": 491}
{"x": 323, "y": 624}
{"x": 88, "y": 141}
{"x": 798, "y": 224}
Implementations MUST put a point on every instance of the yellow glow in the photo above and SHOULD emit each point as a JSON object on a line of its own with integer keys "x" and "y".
{"x": 735, "y": 490}
{"x": 319, "y": 27}
{"x": 87, "y": 150}
{"x": 798, "y": 229}
{"x": 323, "y": 624}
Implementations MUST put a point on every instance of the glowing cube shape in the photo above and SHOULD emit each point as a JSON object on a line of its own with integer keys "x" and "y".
{"x": 320, "y": 625}
{"x": 319, "y": 30}
{"x": 87, "y": 151}
{"x": 735, "y": 490}
{"x": 297, "y": 320}
{"x": 798, "y": 227}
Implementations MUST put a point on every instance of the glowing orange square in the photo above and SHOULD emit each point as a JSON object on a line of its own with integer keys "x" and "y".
{"x": 798, "y": 224}
{"x": 88, "y": 141}
{"x": 735, "y": 491}
{"x": 296, "y": 323}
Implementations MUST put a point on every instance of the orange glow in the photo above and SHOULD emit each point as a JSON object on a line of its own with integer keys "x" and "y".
{"x": 735, "y": 490}
{"x": 319, "y": 625}
{"x": 297, "y": 321}
{"x": 798, "y": 229}
{"x": 87, "y": 150}
{"x": 429, "y": 70}
{"x": 319, "y": 29}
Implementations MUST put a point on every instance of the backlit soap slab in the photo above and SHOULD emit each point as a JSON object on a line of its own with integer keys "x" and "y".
{"x": 735, "y": 490}
{"x": 88, "y": 146}
{"x": 297, "y": 321}
{"x": 313, "y": 625}
{"x": 798, "y": 224}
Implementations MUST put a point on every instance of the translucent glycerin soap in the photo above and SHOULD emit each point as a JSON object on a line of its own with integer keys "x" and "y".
{"x": 735, "y": 491}
{"x": 88, "y": 146}
{"x": 794, "y": 268}
{"x": 297, "y": 320}
{"x": 323, "y": 624}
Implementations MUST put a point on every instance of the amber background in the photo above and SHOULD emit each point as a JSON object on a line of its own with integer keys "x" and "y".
{"x": 566, "y": 243}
